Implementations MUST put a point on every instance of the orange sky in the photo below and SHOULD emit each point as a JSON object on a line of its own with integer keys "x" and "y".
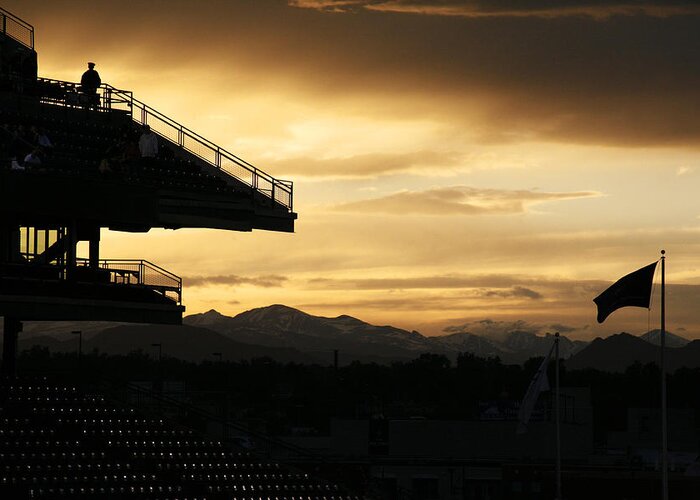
{"x": 454, "y": 161}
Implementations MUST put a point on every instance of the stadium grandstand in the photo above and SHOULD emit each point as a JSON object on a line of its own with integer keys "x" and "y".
{"x": 70, "y": 168}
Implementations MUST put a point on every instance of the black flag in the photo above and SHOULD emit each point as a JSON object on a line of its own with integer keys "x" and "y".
{"x": 631, "y": 290}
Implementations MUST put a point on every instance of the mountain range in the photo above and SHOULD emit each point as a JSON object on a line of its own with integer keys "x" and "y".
{"x": 617, "y": 352}
{"x": 287, "y": 334}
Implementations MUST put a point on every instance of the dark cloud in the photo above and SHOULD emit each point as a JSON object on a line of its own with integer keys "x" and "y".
{"x": 395, "y": 303}
{"x": 512, "y": 284}
{"x": 558, "y": 327}
{"x": 599, "y": 9}
{"x": 458, "y": 200}
{"x": 515, "y": 292}
{"x": 499, "y": 328}
{"x": 267, "y": 281}
{"x": 425, "y": 282}
{"x": 493, "y": 328}
{"x": 631, "y": 80}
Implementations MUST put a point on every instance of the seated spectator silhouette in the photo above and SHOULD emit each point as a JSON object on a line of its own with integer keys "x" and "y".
{"x": 21, "y": 143}
{"x": 148, "y": 145}
{"x": 130, "y": 150}
{"x": 89, "y": 83}
{"x": 41, "y": 140}
{"x": 166, "y": 153}
{"x": 33, "y": 159}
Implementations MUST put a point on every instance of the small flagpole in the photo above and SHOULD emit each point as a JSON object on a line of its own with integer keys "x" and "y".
{"x": 556, "y": 411}
{"x": 664, "y": 422}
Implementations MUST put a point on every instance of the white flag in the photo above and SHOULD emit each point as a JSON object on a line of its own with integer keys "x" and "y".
{"x": 539, "y": 383}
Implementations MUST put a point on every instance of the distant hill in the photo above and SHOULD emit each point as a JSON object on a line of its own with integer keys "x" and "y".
{"x": 283, "y": 326}
{"x": 183, "y": 342}
{"x": 614, "y": 353}
{"x": 617, "y": 352}
{"x": 288, "y": 334}
{"x": 672, "y": 340}
{"x": 280, "y": 325}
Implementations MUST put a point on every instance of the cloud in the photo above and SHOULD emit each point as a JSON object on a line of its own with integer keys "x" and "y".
{"x": 561, "y": 328}
{"x": 499, "y": 329}
{"x": 394, "y": 303}
{"x": 428, "y": 282}
{"x": 459, "y": 200}
{"x": 266, "y": 281}
{"x": 515, "y": 292}
{"x": 493, "y": 328}
{"x": 506, "y": 8}
{"x": 629, "y": 81}
{"x": 368, "y": 165}
{"x": 501, "y": 285}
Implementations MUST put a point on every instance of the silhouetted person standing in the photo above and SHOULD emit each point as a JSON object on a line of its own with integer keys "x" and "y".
{"x": 148, "y": 145}
{"x": 89, "y": 84}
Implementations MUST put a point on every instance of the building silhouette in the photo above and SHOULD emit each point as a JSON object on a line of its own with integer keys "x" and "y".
{"x": 70, "y": 170}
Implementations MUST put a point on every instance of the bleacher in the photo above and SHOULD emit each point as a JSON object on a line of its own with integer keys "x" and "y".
{"x": 82, "y": 142}
{"x": 57, "y": 442}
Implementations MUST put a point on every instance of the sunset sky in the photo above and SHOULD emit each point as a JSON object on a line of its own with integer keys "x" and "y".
{"x": 460, "y": 162}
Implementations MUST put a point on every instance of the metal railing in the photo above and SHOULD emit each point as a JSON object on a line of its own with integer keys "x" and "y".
{"x": 63, "y": 93}
{"x": 16, "y": 28}
{"x": 110, "y": 98}
{"x": 279, "y": 191}
{"x": 140, "y": 272}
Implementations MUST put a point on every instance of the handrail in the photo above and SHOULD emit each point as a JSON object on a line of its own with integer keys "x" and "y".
{"x": 65, "y": 93}
{"x": 140, "y": 272}
{"x": 17, "y": 28}
{"x": 278, "y": 190}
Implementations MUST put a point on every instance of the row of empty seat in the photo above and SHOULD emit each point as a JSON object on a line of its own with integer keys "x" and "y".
{"x": 58, "y": 442}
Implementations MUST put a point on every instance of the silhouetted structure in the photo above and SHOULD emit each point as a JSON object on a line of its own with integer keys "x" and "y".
{"x": 57, "y": 441}
{"x": 91, "y": 181}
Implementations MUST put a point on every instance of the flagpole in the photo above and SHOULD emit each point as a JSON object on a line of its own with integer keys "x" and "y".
{"x": 556, "y": 410}
{"x": 664, "y": 422}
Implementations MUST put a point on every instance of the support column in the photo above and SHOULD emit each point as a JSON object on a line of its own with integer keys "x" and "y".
{"x": 5, "y": 243}
{"x": 9, "y": 350}
{"x": 9, "y": 244}
{"x": 95, "y": 249}
{"x": 71, "y": 250}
